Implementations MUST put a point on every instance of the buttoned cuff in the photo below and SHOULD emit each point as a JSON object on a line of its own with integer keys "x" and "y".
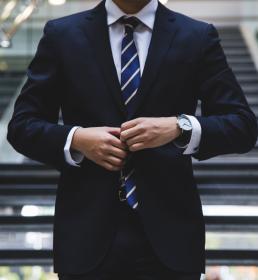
{"x": 193, "y": 146}
{"x": 72, "y": 157}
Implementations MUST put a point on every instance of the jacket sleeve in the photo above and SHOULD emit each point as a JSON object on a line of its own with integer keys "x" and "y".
{"x": 33, "y": 129}
{"x": 228, "y": 124}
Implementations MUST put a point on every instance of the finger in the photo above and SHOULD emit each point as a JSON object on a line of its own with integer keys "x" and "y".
{"x": 131, "y": 132}
{"x": 130, "y": 123}
{"x": 118, "y": 152}
{"x": 118, "y": 143}
{"x": 109, "y": 166}
{"x": 134, "y": 140}
{"x": 114, "y": 161}
{"x": 137, "y": 147}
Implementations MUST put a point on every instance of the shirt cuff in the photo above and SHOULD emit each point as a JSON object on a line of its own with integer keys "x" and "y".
{"x": 193, "y": 146}
{"x": 72, "y": 157}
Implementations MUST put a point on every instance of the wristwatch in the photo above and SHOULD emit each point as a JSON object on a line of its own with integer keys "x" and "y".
{"x": 185, "y": 125}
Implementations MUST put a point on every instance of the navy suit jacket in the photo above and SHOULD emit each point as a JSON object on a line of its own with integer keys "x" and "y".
{"x": 73, "y": 69}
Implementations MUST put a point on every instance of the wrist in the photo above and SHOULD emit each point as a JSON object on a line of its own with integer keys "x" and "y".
{"x": 171, "y": 128}
{"x": 176, "y": 130}
{"x": 76, "y": 143}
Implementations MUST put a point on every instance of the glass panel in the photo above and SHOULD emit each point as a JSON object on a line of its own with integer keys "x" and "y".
{"x": 232, "y": 240}
{"x": 22, "y": 239}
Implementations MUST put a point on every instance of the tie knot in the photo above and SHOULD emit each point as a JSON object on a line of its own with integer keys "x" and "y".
{"x": 130, "y": 23}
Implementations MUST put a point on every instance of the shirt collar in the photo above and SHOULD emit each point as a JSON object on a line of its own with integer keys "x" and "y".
{"x": 146, "y": 15}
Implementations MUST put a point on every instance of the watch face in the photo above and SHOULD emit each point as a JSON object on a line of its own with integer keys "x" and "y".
{"x": 185, "y": 124}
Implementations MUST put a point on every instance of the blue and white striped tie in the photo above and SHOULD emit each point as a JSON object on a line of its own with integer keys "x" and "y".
{"x": 130, "y": 81}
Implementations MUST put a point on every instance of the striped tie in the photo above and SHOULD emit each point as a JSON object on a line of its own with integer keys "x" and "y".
{"x": 130, "y": 80}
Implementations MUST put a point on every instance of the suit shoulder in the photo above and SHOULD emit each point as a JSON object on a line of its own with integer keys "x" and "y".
{"x": 192, "y": 28}
{"x": 189, "y": 23}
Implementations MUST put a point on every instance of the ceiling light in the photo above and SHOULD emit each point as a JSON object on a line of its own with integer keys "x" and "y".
{"x": 56, "y": 2}
{"x": 5, "y": 44}
{"x": 5, "y": 41}
{"x": 7, "y": 10}
{"x": 24, "y": 15}
{"x": 163, "y": 1}
{"x": 29, "y": 211}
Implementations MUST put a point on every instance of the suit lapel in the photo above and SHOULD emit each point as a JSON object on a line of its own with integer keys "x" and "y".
{"x": 163, "y": 33}
{"x": 96, "y": 29}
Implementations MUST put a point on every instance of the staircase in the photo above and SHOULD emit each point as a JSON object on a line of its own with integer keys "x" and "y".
{"x": 240, "y": 61}
{"x": 233, "y": 179}
{"x": 9, "y": 82}
{"x": 12, "y": 72}
{"x": 224, "y": 180}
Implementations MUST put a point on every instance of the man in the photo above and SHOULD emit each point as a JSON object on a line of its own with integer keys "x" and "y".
{"x": 127, "y": 76}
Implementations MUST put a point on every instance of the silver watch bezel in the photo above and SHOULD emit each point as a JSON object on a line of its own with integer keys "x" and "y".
{"x": 183, "y": 116}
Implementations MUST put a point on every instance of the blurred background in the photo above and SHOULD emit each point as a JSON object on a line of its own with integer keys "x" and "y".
{"x": 228, "y": 185}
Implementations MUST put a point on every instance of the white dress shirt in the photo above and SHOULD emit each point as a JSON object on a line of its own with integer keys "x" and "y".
{"x": 142, "y": 36}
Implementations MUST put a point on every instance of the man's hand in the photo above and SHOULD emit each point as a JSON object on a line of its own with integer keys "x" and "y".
{"x": 101, "y": 145}
{"x": 142, "y": 133}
